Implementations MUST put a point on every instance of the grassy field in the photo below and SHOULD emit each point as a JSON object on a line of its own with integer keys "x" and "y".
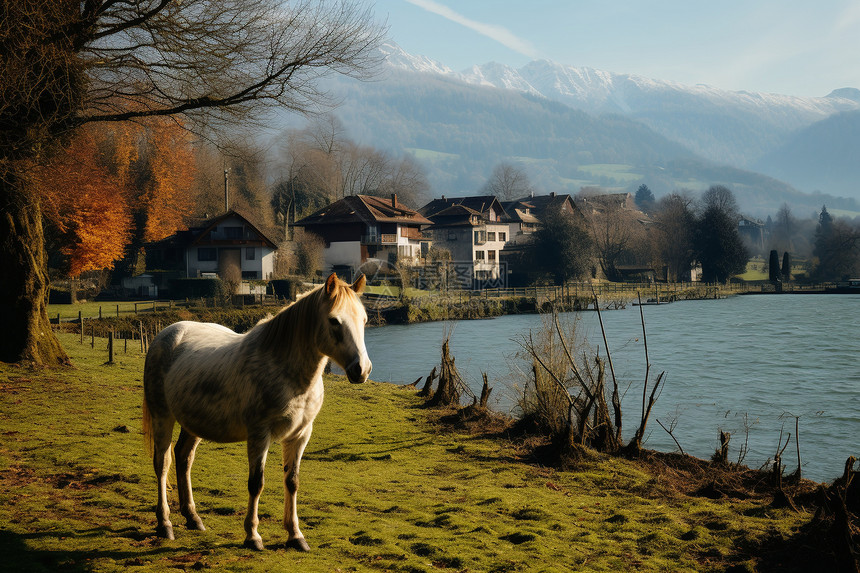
{"x": 382, "y": 489}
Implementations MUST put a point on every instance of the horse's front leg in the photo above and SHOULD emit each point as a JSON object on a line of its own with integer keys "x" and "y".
{"x": 258, "y": 449}
{"x": 293, "y": 450}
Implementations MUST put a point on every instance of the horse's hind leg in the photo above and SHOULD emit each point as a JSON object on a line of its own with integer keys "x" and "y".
{"x": 162, "y": 431}
{"x": 186, "y": 445}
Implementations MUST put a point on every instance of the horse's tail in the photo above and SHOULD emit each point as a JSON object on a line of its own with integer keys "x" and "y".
{"x": 148, "y": 439}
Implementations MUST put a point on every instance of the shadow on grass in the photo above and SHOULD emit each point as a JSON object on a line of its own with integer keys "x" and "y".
{"x": 19, "y": 556}
{"x": 375, "y": 451}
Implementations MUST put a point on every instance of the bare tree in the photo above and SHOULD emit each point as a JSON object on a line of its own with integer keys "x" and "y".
{"x": 212, "y": 62}
{"x": 617, "y": 234}
{"x": 721, "y": 198}
{"x": 507, "y": 183}
{"x": 362, "y": 168}
{"x": 674, "y": 227}
{"x": 784, "y": 229}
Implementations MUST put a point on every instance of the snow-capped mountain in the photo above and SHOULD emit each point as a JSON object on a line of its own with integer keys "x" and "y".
{"x": 736, "y": 127}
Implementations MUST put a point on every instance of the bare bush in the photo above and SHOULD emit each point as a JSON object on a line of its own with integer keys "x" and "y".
{"x": 568, "y": 396}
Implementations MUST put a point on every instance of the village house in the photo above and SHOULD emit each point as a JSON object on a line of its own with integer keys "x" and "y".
{"x": 362, "y": 228}
{"x": 228, "y": 246}
{"x": 526, "y": 215}
{"x": 474, "y": 230}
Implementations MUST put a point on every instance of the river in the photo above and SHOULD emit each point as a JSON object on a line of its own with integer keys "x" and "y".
{"x": 748, "y": 365}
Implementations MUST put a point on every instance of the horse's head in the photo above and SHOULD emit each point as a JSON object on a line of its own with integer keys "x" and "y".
{"x": 343, "y": 327}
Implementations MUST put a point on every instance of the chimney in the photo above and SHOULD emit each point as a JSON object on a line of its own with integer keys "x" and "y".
{"x": 552, "y": 193}
{"x": 394, "y": 200}
{"x": 443, "y": 197}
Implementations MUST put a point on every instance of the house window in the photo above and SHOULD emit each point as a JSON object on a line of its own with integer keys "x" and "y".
{"x": 491, "y": 236}
{"x": 503, "y": 237}
{"x": 207, "y": 254}
{"x": 452, "y": 235}
{"x": 491, "y": 256}
{"x": 480, "y": 237}
{"x": 250, "y": 254}
{"x": 249, "y": 275}
{"x": 479, "y": 255}
{"x": 233, "y": 232}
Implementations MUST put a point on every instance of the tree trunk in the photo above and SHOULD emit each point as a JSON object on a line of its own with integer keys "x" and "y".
{"x": 26, "y": 335}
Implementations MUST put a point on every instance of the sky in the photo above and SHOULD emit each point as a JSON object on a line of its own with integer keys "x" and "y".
{"x": 791, "y": 47}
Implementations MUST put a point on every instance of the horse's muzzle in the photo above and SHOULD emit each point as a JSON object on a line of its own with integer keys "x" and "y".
{"x": 359, "y": 369}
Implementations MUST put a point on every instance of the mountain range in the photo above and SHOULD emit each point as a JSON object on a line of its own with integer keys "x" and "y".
{"x": 570, "y": 127}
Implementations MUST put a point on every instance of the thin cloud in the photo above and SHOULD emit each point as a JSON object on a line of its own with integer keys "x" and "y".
{"x": 497, "y": 33}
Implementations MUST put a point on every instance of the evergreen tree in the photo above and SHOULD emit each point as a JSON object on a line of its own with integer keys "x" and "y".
{"x": 786, "y": 267}
{"x": 644, "y": 199}
{"x": 773, "y": 274}
{"x": 563, "y": 247}
{"x": 719, "y": 246}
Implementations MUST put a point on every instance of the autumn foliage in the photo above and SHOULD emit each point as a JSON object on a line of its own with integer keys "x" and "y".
{"x": 112, "y": 184}
{"x": 85, "y": 201}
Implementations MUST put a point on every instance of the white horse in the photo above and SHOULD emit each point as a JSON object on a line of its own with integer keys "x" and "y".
{"x": 262, "y": 386}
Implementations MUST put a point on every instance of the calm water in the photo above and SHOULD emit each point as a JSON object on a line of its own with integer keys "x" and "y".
{"x": 769, "y": 358}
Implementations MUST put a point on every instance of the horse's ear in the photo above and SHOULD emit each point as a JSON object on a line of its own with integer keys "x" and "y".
{"x": 358, "y": 285}
{"x": 330, "y": 284}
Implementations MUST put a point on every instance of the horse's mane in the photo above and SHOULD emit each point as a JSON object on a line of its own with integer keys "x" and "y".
{"x": 299, "y": 317}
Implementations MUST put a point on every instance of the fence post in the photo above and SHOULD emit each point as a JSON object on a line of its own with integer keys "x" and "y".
{"x": 110, "y": 347}
{"x": 81, "y": 322}
{"x": 117, "y": 311}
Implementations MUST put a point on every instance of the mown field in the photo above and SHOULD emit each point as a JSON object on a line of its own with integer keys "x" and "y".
{"x": 383, "y": 488}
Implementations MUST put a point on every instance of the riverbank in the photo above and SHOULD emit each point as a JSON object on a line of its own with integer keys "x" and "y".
{"x": 383, "y": 309}
{"x": 384, "y": 487}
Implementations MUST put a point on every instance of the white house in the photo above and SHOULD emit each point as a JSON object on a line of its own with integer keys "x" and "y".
{"x": 360, "y": 228}
{"x": 474, "y": 230}
{"x": 222, "y": 246}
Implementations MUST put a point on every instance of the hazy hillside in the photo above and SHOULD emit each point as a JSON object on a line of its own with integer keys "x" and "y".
{"x": 462, "y": 131}
{"x": 827, "y": 151}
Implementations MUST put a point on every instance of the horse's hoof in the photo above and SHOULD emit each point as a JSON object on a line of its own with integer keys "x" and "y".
{"x": 299, "y": 544}
{"x": 195, "y": 524}
{"x": 255, "y": 544}
{"x": 165, "y": 531}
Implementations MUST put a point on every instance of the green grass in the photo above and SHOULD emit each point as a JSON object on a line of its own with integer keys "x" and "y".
{"x": 381, "y": 489}
{"x": 90, "y": 309}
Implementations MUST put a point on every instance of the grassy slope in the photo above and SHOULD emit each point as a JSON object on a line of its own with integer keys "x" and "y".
{"x": 380, "y": 490}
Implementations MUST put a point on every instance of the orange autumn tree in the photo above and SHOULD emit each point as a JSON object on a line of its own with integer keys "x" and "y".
{"x": 84, "y": 199}
{"x": 114, "y": 187}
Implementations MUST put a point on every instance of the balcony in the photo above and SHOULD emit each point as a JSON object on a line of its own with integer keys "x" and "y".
{"x": 384, "y": 239}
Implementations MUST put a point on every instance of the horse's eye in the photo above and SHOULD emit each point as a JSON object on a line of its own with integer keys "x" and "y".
{"x": 333, "y": 321}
